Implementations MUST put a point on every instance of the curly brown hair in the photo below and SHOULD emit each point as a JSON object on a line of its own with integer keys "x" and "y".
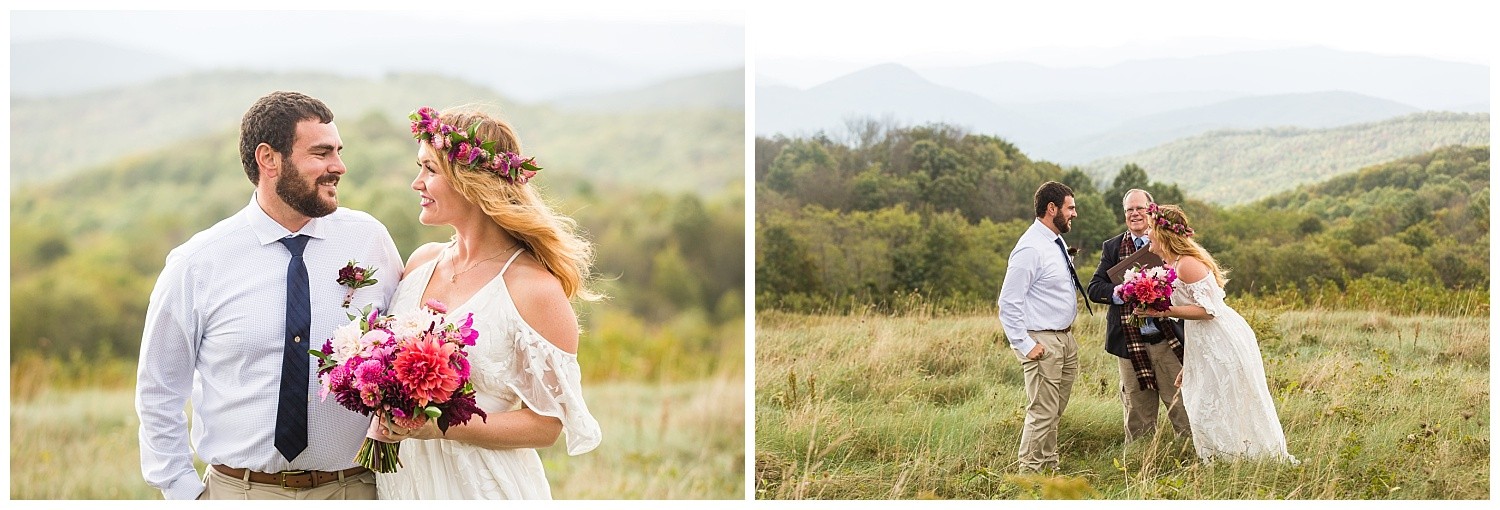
{"x": 272, "y": 120}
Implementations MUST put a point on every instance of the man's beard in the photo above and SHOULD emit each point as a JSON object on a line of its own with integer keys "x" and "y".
{"x": 1061, "y": 223}
{"x": 302, "y": 194}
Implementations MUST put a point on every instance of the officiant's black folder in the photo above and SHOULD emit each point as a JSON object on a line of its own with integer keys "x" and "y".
{"x": 1142, "y": 257}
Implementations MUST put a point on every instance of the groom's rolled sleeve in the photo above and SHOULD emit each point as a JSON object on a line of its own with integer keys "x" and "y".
{"x": 164, "y": 378}
{"x": 1019, "y": 274}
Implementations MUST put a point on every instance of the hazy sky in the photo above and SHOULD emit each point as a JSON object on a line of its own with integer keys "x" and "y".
{"x": 625, "y": 44}
{"x": 592, "y": 26}
{"x": 800, "y": 37}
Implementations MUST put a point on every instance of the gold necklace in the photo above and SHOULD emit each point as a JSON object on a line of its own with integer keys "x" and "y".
{"x": 454, "y": 277}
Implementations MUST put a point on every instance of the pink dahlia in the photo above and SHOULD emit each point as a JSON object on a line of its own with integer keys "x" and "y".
{"x": 423, "y": 367}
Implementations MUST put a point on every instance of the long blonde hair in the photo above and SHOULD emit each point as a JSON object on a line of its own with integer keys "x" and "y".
{"x": 519, "y": 209}
{"x": 1181, "y": 245}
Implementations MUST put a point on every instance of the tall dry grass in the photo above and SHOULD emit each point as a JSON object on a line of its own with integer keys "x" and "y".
{"x": 930, "y": 406}
{"x": 662, "y": 441}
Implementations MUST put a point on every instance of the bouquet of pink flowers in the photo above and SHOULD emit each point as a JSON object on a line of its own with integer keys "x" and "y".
{"x": 405, "y": 369}
{"x": 1147, "y": 289}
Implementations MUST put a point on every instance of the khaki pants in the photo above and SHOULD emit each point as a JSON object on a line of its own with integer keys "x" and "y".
{"x": 1049, "y": 383}
{"x": 220, "y": 486}
{"x": 1141, "y": 405}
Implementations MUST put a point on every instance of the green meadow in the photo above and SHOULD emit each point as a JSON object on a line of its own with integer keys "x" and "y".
{"x": 929, "y": 406}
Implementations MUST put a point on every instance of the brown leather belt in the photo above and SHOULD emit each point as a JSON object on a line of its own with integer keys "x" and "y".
{"x": 292, "y": 479}
{"x": 1063, "y": 330}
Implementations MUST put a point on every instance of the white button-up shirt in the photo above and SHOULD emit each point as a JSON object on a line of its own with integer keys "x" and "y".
{"x": 1038, "y": 292}
{"x": 216, "y": 327}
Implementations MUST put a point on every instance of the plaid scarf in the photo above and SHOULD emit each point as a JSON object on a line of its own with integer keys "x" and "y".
{"x": 1135, "y": 348}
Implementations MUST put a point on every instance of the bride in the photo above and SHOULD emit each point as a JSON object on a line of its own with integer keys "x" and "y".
{"x": 1223, "y": 379}
{"x": 514, "y": 264}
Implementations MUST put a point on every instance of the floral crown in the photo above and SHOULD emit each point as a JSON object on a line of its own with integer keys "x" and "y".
{"x": 1161, "y": 221}
{"x": 464, "y": 147}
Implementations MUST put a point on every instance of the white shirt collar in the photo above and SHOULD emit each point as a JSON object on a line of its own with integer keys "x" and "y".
{"x": 1047, "y": 233}
{"x": 268, "y": 231}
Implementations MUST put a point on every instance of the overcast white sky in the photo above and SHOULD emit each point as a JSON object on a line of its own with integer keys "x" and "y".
{"x": 553, "y": 10}
{"x": 1102, "y": 32}
{"x": 180, "y": 28}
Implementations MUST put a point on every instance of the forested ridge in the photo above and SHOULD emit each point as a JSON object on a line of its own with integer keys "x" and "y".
{"x": 886, "y": 215}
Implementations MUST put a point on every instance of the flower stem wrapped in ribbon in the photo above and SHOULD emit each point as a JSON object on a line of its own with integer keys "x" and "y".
{"x": 405, "y": 369}
{"x": 1147, "y": 289}
{"x": 464, "y": 147}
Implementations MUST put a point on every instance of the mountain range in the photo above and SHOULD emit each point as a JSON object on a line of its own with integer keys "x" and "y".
{"x": 583, "y": 135}
{"x": 1075, "y": 116}
{"x": 1425, "y": 83}
{"x": 55, "y": 53}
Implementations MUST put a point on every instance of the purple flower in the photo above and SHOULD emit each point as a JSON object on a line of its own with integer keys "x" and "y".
{"x": 466, "y": 332}
{"x": 369, "y": 376}
{"x": 460, "y": 410}
{"x": 335, "y": 381}
{"x": 461, "y": 365}
{"x": 462, "y": 154}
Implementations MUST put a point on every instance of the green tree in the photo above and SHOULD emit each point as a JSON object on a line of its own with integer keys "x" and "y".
{"x": 783, "y": 266}
{"x": 1081, "y": 183}
{"x": 1131, "y": 176}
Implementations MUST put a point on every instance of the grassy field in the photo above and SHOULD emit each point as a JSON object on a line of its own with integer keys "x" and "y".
{"x": 878, "y": 407}
{"x": 671, "y": 441}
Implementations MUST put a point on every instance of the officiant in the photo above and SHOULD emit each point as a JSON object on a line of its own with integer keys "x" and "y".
{"x": 1150, "y": 356}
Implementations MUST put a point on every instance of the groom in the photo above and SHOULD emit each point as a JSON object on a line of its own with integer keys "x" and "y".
{"x": 1037, "y": 306}
{"x": 234, "y": 313}
{"x": 1150, "y": 356}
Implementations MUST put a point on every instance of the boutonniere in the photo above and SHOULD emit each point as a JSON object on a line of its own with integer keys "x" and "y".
{"x": 355, "y": 277}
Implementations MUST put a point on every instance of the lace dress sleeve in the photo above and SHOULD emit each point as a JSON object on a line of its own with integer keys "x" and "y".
{"x": 1205, "y": 293}
{"x": 548, "y": 380}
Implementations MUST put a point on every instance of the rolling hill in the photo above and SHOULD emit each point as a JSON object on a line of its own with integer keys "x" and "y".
{"x": 1237, "y": 166}
{"x": 91, "y": 66}
{"x": 720, "y": 90}
{"x": 657, "y": 143}
{"x": 1310, "y": 110}
{"x": 889, "y": 91}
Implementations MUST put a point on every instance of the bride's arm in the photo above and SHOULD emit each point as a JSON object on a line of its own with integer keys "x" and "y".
{"x": 511, "y": 429}
{"x": 1190, "y": 312}
{"x": 1188, "y": 270}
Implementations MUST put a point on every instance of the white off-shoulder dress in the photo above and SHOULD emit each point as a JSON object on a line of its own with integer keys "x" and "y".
{"x": 1224, "y": 381}
{"x": 510, "y": 364}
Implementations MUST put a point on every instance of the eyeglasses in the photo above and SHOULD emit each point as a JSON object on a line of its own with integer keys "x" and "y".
{"x": 1141, "y": 210}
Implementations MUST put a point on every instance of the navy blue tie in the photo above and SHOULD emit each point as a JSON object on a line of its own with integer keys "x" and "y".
{"x": 1140, "y": 242}
{"x": 1074, "y": 273}
{"x": 291, "y": 409}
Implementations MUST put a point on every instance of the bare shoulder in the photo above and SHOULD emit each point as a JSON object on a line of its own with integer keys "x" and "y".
{"x": 1191, "y": 270}
{"x": 539, "y": 298}
{"x": 423, "y": 254}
